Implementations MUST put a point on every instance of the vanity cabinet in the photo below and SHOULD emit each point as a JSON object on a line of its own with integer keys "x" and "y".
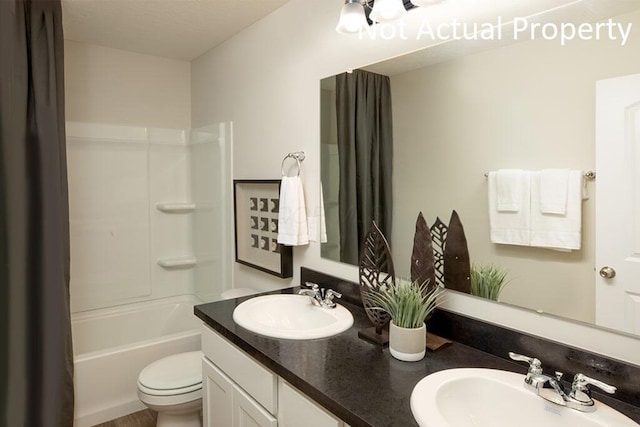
{"x": 240, "y": 392}
{"x": 295, "y": 410}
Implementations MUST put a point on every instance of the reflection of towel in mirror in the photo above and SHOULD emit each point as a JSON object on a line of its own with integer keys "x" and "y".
{"x": 554, "y": 184}
{"x": 317, "y": 224}
{"x": 509, "y": 190}
{"x": 511, "y": 227}
{"x": 292, "y": 216}
{"x": 558, "y": 231}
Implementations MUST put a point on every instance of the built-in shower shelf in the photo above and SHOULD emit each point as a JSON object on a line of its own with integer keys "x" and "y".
{"x": 177, "y": 263}
{"x": 176, "y": 207}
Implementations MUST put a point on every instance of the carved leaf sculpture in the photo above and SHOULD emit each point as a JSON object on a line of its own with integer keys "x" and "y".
{"x": 457, "y": 267}
{"x": 376, "y": 271}
{"x": 438, "y": 239}
{"x": 422, "y": 260}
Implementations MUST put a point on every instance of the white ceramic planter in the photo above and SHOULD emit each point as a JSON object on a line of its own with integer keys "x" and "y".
{"x": 407, "y": 344}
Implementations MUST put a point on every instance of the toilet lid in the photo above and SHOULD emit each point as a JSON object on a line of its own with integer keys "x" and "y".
{"x": 174, "y": 372}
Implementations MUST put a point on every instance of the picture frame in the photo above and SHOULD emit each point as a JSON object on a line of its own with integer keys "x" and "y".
{"x": 256, "y": 205}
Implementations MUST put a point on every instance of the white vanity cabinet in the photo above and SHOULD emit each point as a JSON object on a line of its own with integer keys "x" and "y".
{"x": 295, "y": 410}
{"x": 225, "y": 404}
{"x": 240, "y": 392}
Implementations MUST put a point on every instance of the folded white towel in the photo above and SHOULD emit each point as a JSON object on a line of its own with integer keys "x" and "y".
{"x": 510, "y": 227}
{"x": 317, "y": 223}
{"x": 554, "y": 184}
{"x": 292, "y": 216}
{"x": 509, "y": 190}
{"x": 562, "y": 232}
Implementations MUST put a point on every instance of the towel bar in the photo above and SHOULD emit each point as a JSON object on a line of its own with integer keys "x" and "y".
{"x": 591, "y": 175}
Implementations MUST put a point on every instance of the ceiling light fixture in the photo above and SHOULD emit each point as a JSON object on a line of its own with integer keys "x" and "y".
{"x": 356, "y": 15}
{"x": 387, "y": 10}
{"x": 352, "y": 17}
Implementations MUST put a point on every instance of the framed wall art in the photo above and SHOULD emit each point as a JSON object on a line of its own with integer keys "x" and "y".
{"x": 256, "y": 205}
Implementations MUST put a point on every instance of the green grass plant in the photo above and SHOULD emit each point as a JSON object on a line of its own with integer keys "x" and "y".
{"x": 408, "y": 303}
{"x": 488, "y": 280}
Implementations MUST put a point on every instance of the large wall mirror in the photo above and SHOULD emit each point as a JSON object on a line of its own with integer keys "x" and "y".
{"x": 462, "y": 109}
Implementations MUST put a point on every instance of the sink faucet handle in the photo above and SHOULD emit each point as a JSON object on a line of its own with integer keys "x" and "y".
{"x": 580, "y": 382}
{"x": 535, "y": 366}
{"x": 328, "y": 298}
{"x": 331, "y": 293}
{"x": 312, "y": 286}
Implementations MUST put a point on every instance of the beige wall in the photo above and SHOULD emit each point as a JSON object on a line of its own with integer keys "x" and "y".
{"x": 104, "y": 85}
{"x": 266, "y": 80}
{"x": 530, "y": 105}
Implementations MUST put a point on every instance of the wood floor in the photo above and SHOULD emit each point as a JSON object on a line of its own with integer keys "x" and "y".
{"x": 146, "y": 418}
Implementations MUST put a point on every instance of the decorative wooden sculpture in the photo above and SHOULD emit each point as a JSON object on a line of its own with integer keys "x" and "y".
{"x": 457, "y": 267}
{"x": 438, "y": 239}
{"x": 376, "y": 271}
{"x": 422, "y": 258}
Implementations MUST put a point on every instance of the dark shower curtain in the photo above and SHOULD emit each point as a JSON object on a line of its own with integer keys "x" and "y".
{"x": 365, "y": 148}
{"x": 35, "y": 355}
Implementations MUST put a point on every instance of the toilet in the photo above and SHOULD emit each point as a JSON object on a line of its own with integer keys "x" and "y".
{"x": 172, "y": 386}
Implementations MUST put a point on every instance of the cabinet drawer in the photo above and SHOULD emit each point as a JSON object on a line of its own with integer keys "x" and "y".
{"x": 255, "y": 379}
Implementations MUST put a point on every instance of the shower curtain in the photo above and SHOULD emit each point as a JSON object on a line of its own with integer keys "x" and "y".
{"x": 365, "y": 149}
{"x": 36, "y": 360}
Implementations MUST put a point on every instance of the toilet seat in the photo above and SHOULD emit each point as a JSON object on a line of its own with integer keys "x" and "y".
{"x": 173, "y": 375}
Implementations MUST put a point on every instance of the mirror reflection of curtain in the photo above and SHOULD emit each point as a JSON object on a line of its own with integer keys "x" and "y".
{"x": 365, "y": 146}
{"x": 36, "y": 360}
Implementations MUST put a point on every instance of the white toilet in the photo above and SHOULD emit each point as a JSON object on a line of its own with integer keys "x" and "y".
{"x": 172, "y": 386}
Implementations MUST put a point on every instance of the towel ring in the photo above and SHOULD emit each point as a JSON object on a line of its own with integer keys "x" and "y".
{"x": 298, "y": 156}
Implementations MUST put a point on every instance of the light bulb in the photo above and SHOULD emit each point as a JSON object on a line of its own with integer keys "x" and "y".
{"x": 352, "y": 18}
{"x": 387, "y": 10}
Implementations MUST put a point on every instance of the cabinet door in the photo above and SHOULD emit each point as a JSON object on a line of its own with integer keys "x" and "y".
{"x": 217, "y": 396}
{"x": 248, "y": 413}
{"x": 295, "y": 410}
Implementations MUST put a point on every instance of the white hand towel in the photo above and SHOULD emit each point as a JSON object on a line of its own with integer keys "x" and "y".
{"x": 509, "y": 227}
{"x": 553, "y": 231}
{"x": 292, "y": 216}
{"x": 509, "y": 190}
{"x": 554, "y": 185}
{"x": 317, "y": 223}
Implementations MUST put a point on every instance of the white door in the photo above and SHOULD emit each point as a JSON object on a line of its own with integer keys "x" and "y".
{"x": 618, "y": 203}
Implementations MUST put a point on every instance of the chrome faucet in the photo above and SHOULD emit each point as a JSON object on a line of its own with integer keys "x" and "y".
{"x": 551, "y": 389}
{"x": 319, "y": 296}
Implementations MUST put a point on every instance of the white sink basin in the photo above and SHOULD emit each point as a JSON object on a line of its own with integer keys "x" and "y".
{"x": 490, "y": 398}
{"x": 291, "y": 317}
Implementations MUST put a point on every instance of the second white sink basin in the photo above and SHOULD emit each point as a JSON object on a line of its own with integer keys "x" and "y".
{"x": 291, "y": 317}
{"x": 477, "y": 397}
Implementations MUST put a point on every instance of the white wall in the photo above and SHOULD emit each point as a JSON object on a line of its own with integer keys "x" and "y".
{"x": 104, "y": 85}
{"x": 266, "y": 80}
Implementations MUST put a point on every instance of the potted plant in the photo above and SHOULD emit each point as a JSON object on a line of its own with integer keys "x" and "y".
{"x": 487, "y": 281}
{"x": 408, "y": 304}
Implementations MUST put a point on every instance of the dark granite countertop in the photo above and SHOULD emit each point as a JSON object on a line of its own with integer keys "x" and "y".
{"x": 357, "y": 381}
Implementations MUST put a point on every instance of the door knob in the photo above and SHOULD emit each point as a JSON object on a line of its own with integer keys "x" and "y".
{"x": 607, "y": 273}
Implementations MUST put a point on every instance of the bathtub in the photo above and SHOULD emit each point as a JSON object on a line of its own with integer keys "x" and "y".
{"x": 111, "y": 346}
